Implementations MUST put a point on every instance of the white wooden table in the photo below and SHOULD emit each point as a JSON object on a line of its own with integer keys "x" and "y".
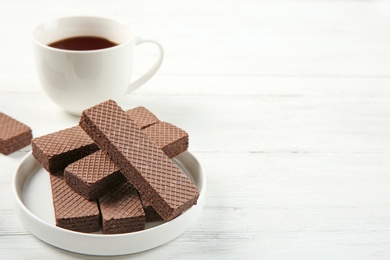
{"x": 288, "y": 109}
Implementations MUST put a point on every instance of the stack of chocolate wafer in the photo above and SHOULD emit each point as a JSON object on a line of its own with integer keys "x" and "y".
{"x": 114, "y": 171}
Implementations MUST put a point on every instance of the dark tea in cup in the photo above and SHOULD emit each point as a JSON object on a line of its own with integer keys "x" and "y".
{"x": 83, "y": 43}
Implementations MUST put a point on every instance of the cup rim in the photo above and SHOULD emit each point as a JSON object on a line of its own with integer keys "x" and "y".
{"x": 45, "y": 46}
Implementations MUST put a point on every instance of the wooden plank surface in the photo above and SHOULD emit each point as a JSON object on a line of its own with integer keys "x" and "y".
{"x": 287, "y": 104}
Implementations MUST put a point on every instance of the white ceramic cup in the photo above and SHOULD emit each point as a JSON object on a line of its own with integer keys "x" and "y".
{"x": 76, "y": 80}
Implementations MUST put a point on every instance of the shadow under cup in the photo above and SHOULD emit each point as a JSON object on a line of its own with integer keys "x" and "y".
{"x": 76, "y": 80}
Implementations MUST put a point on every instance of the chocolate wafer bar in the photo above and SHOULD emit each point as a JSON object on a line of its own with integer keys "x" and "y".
{"x": 122, "y": 210}
{"x": 14, "y": 135}
{"x": 73, "y": 211}
{"x": 169, "y": 138}
{"x": 93, "y": 175}
{"x": 57, "y": 150}
{"x": 151, "y": 172}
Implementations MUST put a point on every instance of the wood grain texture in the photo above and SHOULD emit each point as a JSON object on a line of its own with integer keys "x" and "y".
{"x": 287, "y": 107}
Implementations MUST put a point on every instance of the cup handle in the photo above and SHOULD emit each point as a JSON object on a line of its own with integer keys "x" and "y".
{"x": 152, "y": 70}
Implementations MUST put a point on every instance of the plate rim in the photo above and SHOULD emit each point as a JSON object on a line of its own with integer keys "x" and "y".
{"x": 27, "y": 217}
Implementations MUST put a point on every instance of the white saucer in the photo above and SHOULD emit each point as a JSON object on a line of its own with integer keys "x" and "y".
{"x": 35, "y": 210}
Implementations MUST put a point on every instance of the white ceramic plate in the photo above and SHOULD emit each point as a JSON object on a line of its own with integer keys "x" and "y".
{"x": 35, "y": 210}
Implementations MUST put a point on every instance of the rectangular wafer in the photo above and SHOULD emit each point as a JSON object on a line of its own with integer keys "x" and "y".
{"x": 152, "y": 173}
{"x": 73, "y": 211}
{"x": 122, "y": 210}
{"x": 57, "y": 150}
{"x": 93, "y": 176}
{"x": 14, "y": 135}
{"x": 169, "y": 138}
